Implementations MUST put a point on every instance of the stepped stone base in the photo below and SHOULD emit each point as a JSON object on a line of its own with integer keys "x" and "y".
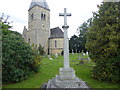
{"x": 66, "y": 79}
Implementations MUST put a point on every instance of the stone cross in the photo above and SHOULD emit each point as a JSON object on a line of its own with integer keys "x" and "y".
{"x": 67, "y": 78}
{"x": 66, "y": 41}
{"x": 65, "y": 14}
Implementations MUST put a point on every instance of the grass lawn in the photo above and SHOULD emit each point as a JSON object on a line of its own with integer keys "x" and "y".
{"x": 50, "y": 68}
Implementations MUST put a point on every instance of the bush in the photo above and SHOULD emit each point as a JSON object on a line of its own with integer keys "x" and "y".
{"x": 41, "y": 50}
{"x": 37, "y": 58}
{"x": 17, "y": 57}
{"x": 37, "y": 62}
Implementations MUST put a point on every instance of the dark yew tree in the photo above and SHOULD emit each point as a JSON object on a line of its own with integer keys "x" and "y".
{"x": 103, "y": 42}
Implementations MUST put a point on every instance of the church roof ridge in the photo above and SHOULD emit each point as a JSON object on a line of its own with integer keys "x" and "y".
{"x": 55, "y": 27}
{"x": 41, "y": 3}
{"x": 56, "y": 33}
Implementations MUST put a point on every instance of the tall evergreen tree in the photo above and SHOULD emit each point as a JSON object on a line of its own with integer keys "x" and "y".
{"x": 103, "y": 42}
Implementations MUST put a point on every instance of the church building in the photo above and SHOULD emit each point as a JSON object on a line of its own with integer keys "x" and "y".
{"x": 56, "y": 41}
{"x": 39, "y": 32}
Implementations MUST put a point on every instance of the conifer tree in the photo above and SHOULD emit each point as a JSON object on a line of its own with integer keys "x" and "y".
{"x": 103, "y": 42}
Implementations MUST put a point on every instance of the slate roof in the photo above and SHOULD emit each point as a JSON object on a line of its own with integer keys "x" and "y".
{"x": 41, "y": 3}
{"x": 56, "y": 33}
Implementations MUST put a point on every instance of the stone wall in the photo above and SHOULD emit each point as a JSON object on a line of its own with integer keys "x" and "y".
{"x": 58, "y": 48}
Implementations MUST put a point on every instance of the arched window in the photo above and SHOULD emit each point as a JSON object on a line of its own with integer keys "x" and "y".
{"x": 42, "y": 16}
{"x": 29, "y": 41}
{"x": 32, "y": 16}
{"x": 55, "y": 44}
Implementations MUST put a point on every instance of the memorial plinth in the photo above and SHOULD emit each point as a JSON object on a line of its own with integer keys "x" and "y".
{"x": 66, "y": 83}
{"x": 66, "y": 77}
{"x": 67, "y": 74}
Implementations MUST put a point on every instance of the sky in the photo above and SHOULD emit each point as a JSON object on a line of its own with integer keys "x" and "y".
{"x": 81, "y": 11}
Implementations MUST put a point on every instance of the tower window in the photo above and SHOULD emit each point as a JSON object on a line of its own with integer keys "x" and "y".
{"x": 43, "y": 25}
{"x": 55, "y": 44}
{"x": 32, "y": 16}
{"x": 42, "y": 16}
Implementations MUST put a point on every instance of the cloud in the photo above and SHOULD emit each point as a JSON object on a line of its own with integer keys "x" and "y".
{"x": 17, "y": 27}
{"x": 81, "y": 10}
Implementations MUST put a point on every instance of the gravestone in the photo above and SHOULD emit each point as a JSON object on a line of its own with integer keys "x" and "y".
{"x": 84, "y": 54}
{"x": 82, "y": 57}
{"x": 67, "y": 77}
{"x": 88, "y": 58}
{"x": 79, "y": 58}
{"x": 56, "y": 55}
{"x": 76, "y": 51}
{"x": 87, "y": 53}
{"x": 72, "y": 52}
{"x": 49, "y": 57}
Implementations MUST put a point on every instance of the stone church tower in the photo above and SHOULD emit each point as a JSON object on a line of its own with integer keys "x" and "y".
{"x": 38, "y": 24}
{"x": 39, "y": 32}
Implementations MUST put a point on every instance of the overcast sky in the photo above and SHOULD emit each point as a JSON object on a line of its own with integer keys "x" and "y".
{"x": 81, "y": 11}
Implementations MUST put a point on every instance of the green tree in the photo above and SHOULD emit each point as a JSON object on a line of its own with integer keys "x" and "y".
{"x": 17, "y": 56}
{"x": 78, "y": 42}
{"x": 4, "y": 24}
{"x": 82, "y": 30}
{"x": 73, "y": 43}
{"x": 103, "y": 42}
